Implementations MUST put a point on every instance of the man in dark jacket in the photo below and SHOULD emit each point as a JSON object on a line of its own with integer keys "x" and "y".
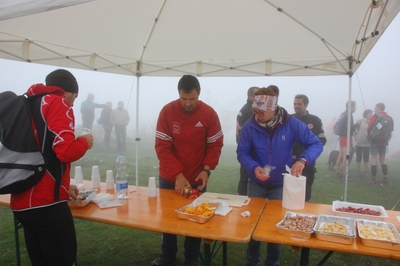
{"x": 244, "y": 114}
{"x": 315, "y": 125}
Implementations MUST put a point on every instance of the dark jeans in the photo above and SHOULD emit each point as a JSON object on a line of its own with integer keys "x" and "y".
{"x": 169, "y": 246}
{"x": 254, "y": 247}
{"x": 49, "y": 235}
{"x": 244, "y": 179}
{"x": 120, "y": 134}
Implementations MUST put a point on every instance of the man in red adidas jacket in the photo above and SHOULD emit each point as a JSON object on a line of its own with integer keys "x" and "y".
{"x": 48, "y": 223}
{"x": 188, "y": 144}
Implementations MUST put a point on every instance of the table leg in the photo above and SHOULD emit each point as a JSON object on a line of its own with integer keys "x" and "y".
{"x": 207, "y": 253}
{"x": 304, "y": 256}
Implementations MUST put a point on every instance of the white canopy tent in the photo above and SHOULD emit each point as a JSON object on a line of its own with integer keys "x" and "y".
{"x": 208, "y": 38}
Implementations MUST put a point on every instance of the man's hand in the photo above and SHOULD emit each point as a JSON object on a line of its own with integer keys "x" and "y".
{"x": 297, "y": 169}
{"x": 89, "y": 138}
{"x": 180, "y": 183}
{"x": 203, "y": 176}
{"x": 261, "y": 174}
{"x": 73, "y": 191}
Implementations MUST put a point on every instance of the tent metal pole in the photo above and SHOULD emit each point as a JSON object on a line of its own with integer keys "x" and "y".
{"x": 349, "y": 113}
{"x": 137, "y": 132}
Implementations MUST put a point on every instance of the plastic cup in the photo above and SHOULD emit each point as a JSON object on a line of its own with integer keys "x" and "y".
{"x": 152, "y": 188}
{"x": 78, "y": 175}
{"x": 80, "y": 131}
{"x": 109, "y": 180}
{"x": 95, "y": 177}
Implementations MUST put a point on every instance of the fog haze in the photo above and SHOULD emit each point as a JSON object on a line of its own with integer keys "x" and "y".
{"x": 377, "y": 80}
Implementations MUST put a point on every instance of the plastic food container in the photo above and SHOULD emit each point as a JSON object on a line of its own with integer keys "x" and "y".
{"x": 87, "y": 195}
{"x": 197, "y": 218}
{"x": 341, "y": 238}
{"x": 343, "y": 204}
{"x": 378, "y": 234}
{"x": 303, "y": 219}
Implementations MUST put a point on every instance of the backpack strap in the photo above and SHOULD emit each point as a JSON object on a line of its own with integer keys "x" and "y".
{"x": 46, "y": 138}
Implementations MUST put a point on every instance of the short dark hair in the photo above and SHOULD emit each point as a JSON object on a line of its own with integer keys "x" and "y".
{"x": 353, "y": 103}
{"x": 366, "y": 112}
{"x": 271, "y": 90}
{"x": 250, "y": 91}
{"x": 303, "y": 97}
{"x": 381, "y": 106}
{"x": 187, "y": 83}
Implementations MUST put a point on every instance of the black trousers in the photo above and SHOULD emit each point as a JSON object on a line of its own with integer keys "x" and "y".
{"x": 50, "y": 236}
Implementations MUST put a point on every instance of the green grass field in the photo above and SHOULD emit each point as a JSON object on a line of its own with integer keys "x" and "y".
{"x": 106, "y": 245}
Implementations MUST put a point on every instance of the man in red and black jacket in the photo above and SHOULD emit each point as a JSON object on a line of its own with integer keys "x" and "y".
{"x": 188, "y": 144}
{"x": 47, "y": 220}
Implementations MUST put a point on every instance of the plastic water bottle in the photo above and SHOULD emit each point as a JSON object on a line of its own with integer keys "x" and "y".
{"x": 121, "y": 178}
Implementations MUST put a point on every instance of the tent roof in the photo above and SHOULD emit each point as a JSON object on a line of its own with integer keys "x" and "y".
{"x": 200, "y": 37}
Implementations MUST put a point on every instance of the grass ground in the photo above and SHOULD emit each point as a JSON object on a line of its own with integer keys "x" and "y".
{"x": 101, "y": 244}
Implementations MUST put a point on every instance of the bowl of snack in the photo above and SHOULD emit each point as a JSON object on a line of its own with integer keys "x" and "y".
{"x": 378, "y": 234}
{"x": 297, "y": 225}
{"x": 199, "y": 212}
{"x": 335, "y": 229}
{"x": 357, "y": 210}
{"x": 83, "y": 198}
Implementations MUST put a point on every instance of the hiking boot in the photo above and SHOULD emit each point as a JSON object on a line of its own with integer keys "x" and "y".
{"x": 372, "y": 182}
{"x": 192, "y": 263}
{"x": 357, "y": 174}
{"x": 338, "y": 175}
{"x": 385, "y": 181}
{"x": 160, "y": 261}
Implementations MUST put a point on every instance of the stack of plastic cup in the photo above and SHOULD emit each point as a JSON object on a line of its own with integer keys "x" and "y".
{"x": 78, "y": 175}
{"x": 152, "y": 189}
{"x": 95, "y": 177}
{"x": 109, "y": 180}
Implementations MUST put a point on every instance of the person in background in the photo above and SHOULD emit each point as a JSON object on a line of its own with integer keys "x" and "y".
{"x": 48, "y": 224}
{"x": 188, "y": 145}
{"x": 265, "y": 149}
{"x": 244, "y": 114}
{"x": 105, "y": 121}
{"x": 315, "y": 125}
{"x": 362, "y": 142}
{"x": 87, "y": 111}
{"x": 341, "y": 160}
{"x": 120, "y": 119}
{"x": 378, "y": 147}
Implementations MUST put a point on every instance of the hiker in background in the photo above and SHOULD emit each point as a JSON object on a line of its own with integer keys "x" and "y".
{"x": 244, "y": 114}
{"x": 340, "y": 129}
{"x": 314, "y": 123}
{"x": 87, "y": 111}
{"x": 120, "y": 119}
{"x": 381, "y": 123}
{"x": 188, "y": 145}
{"x": 362, "y": 142}
{"x": 105, "y": 121}
{"x": 48, "y": 223}
{"x": 265, "y": 149}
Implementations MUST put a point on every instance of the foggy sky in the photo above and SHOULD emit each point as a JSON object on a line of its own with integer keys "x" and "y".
{"x": 377, "y": 80}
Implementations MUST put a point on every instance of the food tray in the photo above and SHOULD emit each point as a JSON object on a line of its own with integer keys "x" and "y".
{"x": 196, "y": 218}
{"x": 89, "y": 194}
{"x": 350, "y": 223}
{"x": 343, "y": 204}
{"x": 296, "y": 233}
{"x": 379, "y": 243}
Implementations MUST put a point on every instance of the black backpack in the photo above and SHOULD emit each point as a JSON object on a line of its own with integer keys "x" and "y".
{"x": 381, "y": 130}
{"x": 22, "y": 162}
